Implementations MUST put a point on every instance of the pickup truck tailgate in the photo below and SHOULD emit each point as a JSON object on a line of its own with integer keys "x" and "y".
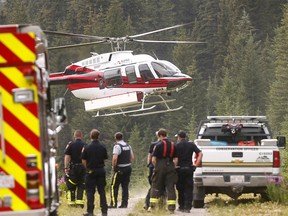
{"x": 237, "y": 159}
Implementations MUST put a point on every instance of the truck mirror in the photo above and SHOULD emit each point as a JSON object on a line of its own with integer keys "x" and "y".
{"x": 60, "y": 111}
{"x": 281, "y": 141}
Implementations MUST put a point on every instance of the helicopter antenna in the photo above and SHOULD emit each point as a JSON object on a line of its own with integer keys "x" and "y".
{"x": 155, "y": 55}
{"x": 65, "y": 92}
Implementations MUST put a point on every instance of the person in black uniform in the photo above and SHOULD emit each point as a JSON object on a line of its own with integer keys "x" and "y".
{"x": 93, "y": 159}
{"x": 150, "y": 171}
{"x": 185, "y": 167}
{"x": 164, "y": 159}
{"x": 121, "y": 164}
{"x": 74, "y": 170}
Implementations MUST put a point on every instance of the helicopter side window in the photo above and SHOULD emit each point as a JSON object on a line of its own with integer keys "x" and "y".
{"x": 113, "y": 77}
{"x": 145, "y": 73}
{"x": 130, "y": 73}
{"x": 162, "y": 70}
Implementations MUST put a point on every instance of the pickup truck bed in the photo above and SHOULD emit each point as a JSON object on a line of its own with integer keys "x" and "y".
{"x": 239, "y": 156}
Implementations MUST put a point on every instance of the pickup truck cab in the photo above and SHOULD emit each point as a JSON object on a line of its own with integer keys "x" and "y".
{"x": 239, "y": 156}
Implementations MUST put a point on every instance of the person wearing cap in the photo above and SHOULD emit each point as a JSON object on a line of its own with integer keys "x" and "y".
{"x": 164, "y": 158}
{"x": 121, "y": 164}
{"x": 185, "y": 169}
{"x": 150, "y": 172}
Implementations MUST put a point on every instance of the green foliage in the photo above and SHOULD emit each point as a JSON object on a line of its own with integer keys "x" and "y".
{"x": 241, "y": 70}
{"x": 278, "y": 95}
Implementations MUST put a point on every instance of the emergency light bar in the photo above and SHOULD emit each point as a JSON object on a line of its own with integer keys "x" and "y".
{"x": 239, "y": 118}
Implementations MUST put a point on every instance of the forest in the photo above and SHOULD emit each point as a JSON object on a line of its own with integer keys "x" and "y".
{"x": 242, "y": 69}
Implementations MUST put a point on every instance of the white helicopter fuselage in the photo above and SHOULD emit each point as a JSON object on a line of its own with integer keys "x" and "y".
{"x": 127, "y": 74}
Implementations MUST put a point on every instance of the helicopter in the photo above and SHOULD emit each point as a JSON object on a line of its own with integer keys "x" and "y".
{"x": 116, "y": 82}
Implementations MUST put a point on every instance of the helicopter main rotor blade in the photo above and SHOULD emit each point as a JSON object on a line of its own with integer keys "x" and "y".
{"x": 159, "y": 30}
{"x": 175, "y": 42}
{"x": 75, "y": 35}
{"x": 76, "y": 45}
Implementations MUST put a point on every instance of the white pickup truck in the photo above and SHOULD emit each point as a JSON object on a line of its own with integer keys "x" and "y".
{"x": 239, "y": 156}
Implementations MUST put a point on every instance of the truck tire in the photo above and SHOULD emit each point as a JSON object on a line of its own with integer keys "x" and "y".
{"x": 198, "y": 203}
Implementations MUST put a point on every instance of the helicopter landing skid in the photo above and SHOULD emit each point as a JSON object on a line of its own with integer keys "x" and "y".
{"x": 156, "y": 112}
{"x": 124, "y": 112}
{"x": 168, "y": 109}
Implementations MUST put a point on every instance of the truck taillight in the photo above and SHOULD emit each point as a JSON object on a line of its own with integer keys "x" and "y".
{"x": 33, "y": 195}
{"x": 276, "y": 159}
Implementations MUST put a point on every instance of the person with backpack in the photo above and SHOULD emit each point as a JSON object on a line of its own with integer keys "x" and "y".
{"x": 164, "y": 158}
{"x": 121, "y": 164}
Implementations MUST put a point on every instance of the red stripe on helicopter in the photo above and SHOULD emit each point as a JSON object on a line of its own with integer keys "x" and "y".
{"x": 8, "y": 86}
{"x": 21, "y": 128}
{"x": 87, "y": 84}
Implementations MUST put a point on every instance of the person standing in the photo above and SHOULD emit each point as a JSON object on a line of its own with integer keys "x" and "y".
{"x": 74, "y": 170}
{"x": 93, "y": 159}
{"x": 150, "y": 171}
{"x": 185, "y": 150}
{"x": 121, "y": 164}
{"x": 164, "y": 159}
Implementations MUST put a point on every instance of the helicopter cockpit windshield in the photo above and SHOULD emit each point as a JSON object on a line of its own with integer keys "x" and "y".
{"x": 162, "y": 69}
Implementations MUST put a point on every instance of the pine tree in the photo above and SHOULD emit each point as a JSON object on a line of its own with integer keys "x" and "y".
{"x": 243, "y": 66}
{"x": 140, "y": 153}
{"x": 278, "y": 95}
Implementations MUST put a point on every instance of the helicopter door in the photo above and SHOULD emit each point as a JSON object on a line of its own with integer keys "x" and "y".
{"x": 131, "y": 75}
{"x": 145, "y": 72}
{"x": 113, "y": 77}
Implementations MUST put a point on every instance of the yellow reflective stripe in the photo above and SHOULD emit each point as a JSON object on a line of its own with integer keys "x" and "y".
{"x": 72, "y": 182}
{"x": 17, "y": 47}
{"x": 12, "y": 168}
{"x": 21, "y": 113}
{"x": 2, "y": 60}
{"x": 113, "y": 201}
{"x": 17, "y": 203}
{"x": 171, "y": 202}
{"x": 154, "y": 200}
{"x": 21, "y": 144}
{"x": 80, "y": 202}
{"x": 16, "y": 76}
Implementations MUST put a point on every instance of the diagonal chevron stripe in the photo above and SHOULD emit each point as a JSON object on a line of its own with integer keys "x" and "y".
{"x": 23, "y": 114}
{"x": 12, "y": 136}
{"x": 8, "y": 85}
{"x": 2, "y": 60}
{"x": 12, "y": 166}
{"x": 19, "y": 49}
{"x": 21, "y": 205}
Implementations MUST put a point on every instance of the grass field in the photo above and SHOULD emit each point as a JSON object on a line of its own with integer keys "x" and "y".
{"x": 215, "y": 206}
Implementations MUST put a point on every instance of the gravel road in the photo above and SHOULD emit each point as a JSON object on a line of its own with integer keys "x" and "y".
{"x": 139, "y": 198}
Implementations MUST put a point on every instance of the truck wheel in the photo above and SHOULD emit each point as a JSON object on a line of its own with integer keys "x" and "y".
{"x": 198, "y": 203}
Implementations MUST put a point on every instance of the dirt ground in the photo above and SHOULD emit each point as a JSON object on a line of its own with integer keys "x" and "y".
{"x": 135, "y": 208}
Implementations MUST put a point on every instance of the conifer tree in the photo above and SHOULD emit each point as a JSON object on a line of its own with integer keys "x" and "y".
{"x": 278, "y": 95}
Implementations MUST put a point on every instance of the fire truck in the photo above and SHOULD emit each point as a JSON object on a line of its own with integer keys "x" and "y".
{"x": 29, "y": 123}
